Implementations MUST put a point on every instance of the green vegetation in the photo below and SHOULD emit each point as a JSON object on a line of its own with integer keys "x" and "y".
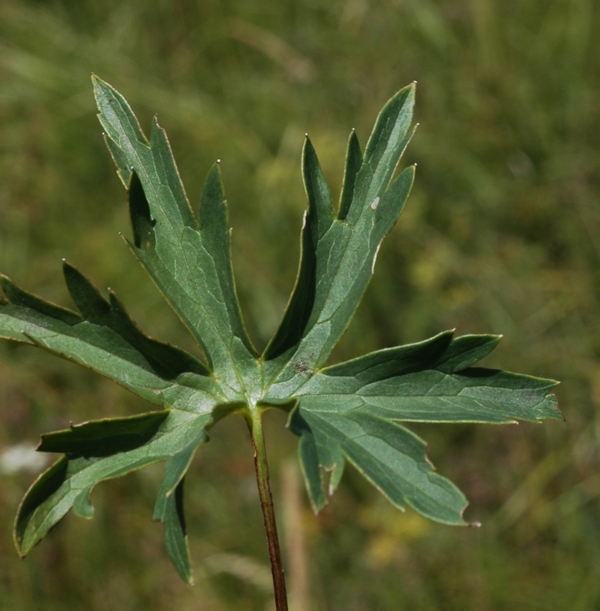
{"x": 501, "y": 235}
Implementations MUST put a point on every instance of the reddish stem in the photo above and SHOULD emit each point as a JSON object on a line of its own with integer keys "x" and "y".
{"x": 261, "y": 467}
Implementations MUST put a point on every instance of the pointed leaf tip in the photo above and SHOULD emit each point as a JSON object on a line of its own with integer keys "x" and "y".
{"x": 354, "y": 161}
{"x": 87, "y": 298}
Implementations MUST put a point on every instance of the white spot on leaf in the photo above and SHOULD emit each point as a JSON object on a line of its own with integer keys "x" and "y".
{"x": 375, "y": 257}
{"x": 375, "y": 203}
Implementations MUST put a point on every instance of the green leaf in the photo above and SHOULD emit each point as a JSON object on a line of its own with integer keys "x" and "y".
{"x": 106, "y": 340}
{"x": 169, "y": 509}
{"x": 388, "y": 455}
{"x": 189, "y": 260}
{"x": 349, "y": 412}
{"x": 354, "y": 162}
{"x": 97, "y": 451}
{"x": 339, "y": 253}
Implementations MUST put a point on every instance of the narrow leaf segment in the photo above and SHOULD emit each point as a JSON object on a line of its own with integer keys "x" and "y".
{"x": 350, "y": 412}
{"x": 339, "y": 251}
{"x": 189, "y": 260}
{"x": 105, "y": 339}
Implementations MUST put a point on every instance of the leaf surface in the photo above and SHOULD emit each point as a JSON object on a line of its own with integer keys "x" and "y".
{"x": 188, "y": 259}
{"x": 350, "y": 412}
{"x": 339, "y": 251}
{"x": 100, "y": 450}
{"x": 105, "y": 339}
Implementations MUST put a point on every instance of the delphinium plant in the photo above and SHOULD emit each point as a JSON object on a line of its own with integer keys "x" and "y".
{"x": 346, "y": 412}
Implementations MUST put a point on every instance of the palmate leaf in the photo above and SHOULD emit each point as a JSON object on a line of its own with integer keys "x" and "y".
{"x": 347, "y": 412}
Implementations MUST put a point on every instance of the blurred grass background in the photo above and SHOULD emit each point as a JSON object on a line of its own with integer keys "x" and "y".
{"x": 500, "y": 235}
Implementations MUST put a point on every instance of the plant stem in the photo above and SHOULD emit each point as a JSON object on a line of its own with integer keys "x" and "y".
{"x": 261, "y": 467}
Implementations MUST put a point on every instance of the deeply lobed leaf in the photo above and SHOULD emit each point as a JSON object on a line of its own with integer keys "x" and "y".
{"x": 101, "y": 450}
{"x": 350, "y": 412}
{"x": 189, "y": 260}
{"x": 346, "y": 412}
{"x": 105, "y": 339}
{"x": 339, "y": 252}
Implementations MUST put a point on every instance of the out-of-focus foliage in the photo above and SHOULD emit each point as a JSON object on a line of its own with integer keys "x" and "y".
{"x": 501, "y": 235}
